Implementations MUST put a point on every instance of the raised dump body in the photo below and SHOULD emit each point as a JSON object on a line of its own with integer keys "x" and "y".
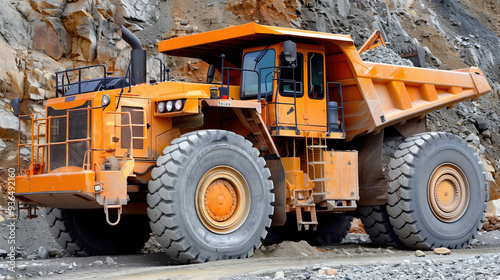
{"x": 288, "y": 137}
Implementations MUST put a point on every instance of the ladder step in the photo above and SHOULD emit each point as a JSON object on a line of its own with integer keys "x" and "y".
{"x": 317, "y": 162}
{"x": 304, "y": 204}
{"x": 319, "y": 180}
{"x": 317, "y": 146}
{"x": 307, "y": 223}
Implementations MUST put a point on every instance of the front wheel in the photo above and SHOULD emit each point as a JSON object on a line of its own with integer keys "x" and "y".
{"x": 437, "y": 191}
{"x": 85, "y": 232}
{"x": 210, "y": 197}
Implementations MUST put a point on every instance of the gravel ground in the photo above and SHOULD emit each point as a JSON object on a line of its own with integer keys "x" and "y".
{"x": 485, "y": 266}
{"x": 357, "y": 258}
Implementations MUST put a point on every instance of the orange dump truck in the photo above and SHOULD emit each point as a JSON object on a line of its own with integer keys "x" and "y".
{"x": 287, "y": 144}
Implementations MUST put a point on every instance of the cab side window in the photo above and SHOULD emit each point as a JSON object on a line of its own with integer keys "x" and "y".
{"x": 291, "y": 79}
{"x": 316, "y": 76}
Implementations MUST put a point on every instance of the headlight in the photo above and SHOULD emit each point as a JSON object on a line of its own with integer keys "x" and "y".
{"x": 178, "y": 105}
{"x": 105, "y": 100}
{"x": 161, "y": 107}
{"x": 170, "y": 105}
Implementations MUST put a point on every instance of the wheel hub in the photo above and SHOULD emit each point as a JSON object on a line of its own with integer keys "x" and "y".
{"x": 222, "y": 200}
{"x": 448, "y": 192}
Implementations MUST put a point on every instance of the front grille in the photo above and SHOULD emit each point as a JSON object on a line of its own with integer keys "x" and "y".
{"x": 72, "y": 127}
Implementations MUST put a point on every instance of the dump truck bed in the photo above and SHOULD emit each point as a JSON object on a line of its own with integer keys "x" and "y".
{"x": 374, "y": 95}
{"x": 382, "y": 95}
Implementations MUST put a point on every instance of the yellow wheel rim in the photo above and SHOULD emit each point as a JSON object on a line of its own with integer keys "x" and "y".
{"x": 222, "y": 200}
{"x": 448, "y": 193}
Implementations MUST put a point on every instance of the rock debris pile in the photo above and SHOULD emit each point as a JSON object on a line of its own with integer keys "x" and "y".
{"x": 385, "y": 55}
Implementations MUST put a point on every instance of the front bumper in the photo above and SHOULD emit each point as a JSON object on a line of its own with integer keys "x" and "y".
{"x": 61, "y": 190}
{"x": 73, "y": 190}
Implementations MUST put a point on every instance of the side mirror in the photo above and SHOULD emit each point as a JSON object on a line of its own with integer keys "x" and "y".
{"x": 14, "y": 106}
{"x": 210, "y": 74}
{"x": 290, "y": 51}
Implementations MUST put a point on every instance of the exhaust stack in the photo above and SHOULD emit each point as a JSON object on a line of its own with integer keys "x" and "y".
{"x": 138, "y": 57}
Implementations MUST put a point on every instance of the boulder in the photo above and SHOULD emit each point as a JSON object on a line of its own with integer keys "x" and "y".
{"x": 107, "y": 53}
{"x": 78, "y": 21}
{"x": 343, "y": 7}
{"x": 49, "y": 7}
{"x": 442, "y": 251}
{"x": 272, "y": 12}
{"x": 16, "y": 81}
{"x": 494, "y": 184}
{"x": 2, "y": 145}
{"x": 493, "y": 208}
{"x": 482, "y": 124}
{"x": 142, "y": 11}
{"x": 43, "y": 253}
{"x": 62, "y": 34}
{"x": 47, "y": 40}
{"x": 42, "y": 61}
{"x": 105, "y": 9}
{"x": 13, "y": 27}
{"x": 9, "y": 69}
{"x": 245, "y": 8}
{"x": 495, "y": 139}
{"x": 9, "y": 126}
{"x": 277, "y": 13}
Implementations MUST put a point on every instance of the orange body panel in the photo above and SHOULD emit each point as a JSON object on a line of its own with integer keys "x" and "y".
{"x": 342, "y": 170}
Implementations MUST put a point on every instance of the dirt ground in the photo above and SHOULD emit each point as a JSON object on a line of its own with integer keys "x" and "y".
{"x": 152, "y": 263}
{"x": 267, "y": 260}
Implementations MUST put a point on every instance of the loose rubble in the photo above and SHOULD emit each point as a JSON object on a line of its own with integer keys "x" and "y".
{"x": 385, "y": 55}
{"x": 485, "y": 266}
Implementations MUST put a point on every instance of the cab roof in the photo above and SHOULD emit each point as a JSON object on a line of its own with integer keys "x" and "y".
{"x": 231, "y": 41}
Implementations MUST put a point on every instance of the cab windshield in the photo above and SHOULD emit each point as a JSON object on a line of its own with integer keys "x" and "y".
{"x": 255, "y": 61}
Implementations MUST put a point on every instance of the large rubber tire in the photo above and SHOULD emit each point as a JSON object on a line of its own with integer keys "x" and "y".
{"x": 192, "y": 170}
{"x": 331, "y": 230}
{"x": 85, "y": 232}
{"x": 376, "y": 222}
{"x": 437, "y": 191}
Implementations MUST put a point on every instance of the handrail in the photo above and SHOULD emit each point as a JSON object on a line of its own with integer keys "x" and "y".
{"x": 275, "y": 68}
{"x": 129, "y": 125}
{"x": 64, "y": 74}
{"x": 35, "y": 141}
{"x": 163, "y": 69}
{"x": 242, "y": 70}
{"x": 278, "y": 79}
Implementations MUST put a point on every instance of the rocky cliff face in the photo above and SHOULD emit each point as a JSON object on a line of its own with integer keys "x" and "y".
{"x": 41, "y": 37}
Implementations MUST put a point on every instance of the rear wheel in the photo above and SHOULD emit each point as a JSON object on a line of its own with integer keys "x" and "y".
{"x": 376, "y": 222}
{"x": 331, "y": 230}
{"x": 437, "y": 191}
{"x": 210, "y": 197}
{"x": 85, "y": 232}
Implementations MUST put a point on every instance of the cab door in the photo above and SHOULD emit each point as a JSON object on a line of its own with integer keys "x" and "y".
{"x": 300, "y": 102}
{"x": 314, "y": 117}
